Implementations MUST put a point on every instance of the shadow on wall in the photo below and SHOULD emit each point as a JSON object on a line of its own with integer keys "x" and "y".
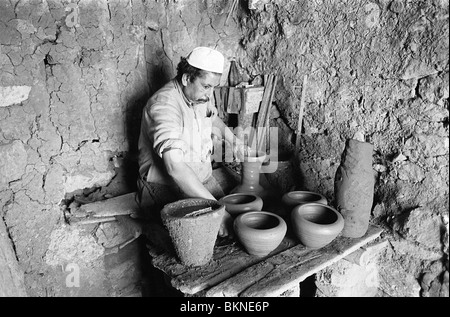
{"x": 129, "y": 162}
{"x": 156, "y": 78}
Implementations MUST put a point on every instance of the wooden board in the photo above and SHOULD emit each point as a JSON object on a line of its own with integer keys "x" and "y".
{"x": 120, "y": 205}
{"x": 287, "y": 269}
{"x": 228, "y": 260}
{"x": 233, "y": 272}
{"x": 238, "y": 100}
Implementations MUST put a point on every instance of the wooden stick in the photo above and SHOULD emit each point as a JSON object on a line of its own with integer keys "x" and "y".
{"x": 267, "y": 114}
{"x": 300, "y": 113}
{"x": 91, "y": 220}
{"x": 262, "y": 109}
{"x": 198, "y": 212}
{"x": 233, "y": 5}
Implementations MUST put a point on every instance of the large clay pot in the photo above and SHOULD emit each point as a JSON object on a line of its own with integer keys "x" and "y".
{"x": 354, "y": 187}
{"x": 260, "y": 232}
{"x": 193, "y": 225}
{"x": 251, "y": 168}
{"x": 316, "y": 225}
{"x": 238, "y": 203}
{"x": 300, "y": 197}
{"x": 283, "y": 177}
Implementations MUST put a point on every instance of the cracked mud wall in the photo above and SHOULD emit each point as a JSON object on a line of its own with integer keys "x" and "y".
{"x": 74, "y": 78}
{"x": 72, "y": 74}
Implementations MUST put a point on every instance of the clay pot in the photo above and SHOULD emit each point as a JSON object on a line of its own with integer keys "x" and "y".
{"x": 316, "y": 225}
{"x": 260, "y": 232}
{"x": 300, "y": 197}
{"x": 193, "y": 225}
{"x": 354, "y": 187}
{"x": 239, "y": 203}
{"x": 283, "y": 177}
{"x": 251, "y": 168}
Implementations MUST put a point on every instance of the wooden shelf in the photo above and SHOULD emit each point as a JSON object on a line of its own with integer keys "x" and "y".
{"x": 233, "y": 272}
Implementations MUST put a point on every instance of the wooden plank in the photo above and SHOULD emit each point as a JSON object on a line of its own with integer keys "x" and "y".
{"x": 228, "y": 260}
{"x": 120, "y": 205}
{"x": 235, "y": 285}
{"x": 287, "y": 269}
{"x": 292, "y": 271}
{"x": 268, "y": 84}
{"x": 266, "y": 118}
{"x": 300, "y": 112}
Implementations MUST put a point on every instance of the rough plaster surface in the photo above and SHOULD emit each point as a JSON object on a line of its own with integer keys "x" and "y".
{"x": 69, "y": 245}
{"x": 377, "y": 68}
{"x": 14, "y": 161}
{"x": 374, "y": 67}
{"x": 85, "y": 69}
{"x": 72, "y": 76}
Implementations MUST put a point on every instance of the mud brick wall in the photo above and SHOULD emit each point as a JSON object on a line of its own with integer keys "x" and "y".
{"x": 76, "y": 74}
{"x": 71, "y": 75}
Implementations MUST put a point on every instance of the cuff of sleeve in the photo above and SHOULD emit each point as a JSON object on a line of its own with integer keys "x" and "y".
{"x": 170, "y": 144}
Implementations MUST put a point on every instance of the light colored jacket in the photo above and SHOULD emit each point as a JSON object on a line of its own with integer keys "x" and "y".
{"x": 168, "y": 122}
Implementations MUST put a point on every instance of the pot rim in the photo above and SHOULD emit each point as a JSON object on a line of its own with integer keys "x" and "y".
{"x": 298, "y": 209}
{"x": 255, "y": 156}
{"x": 281, "y": 223}
{"x": 224, "y": 198}
{"x": 296, "y": 192}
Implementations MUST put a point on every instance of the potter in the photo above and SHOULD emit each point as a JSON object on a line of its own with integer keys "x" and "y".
{"x": 176, "y": 141}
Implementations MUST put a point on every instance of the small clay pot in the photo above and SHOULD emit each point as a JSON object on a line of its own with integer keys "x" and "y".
{"x": 316, "y": 225}
{"x": 260, "y": 232}
{"x": 300, "y": 197}
{"x": 239, "y": 203}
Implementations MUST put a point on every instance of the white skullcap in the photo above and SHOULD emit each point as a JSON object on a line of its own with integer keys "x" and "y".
{"x": 207, "y": 59}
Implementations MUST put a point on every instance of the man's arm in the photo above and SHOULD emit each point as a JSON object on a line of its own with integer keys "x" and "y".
{"x": 189, "y": 183}
{"x": 223, "y": 131}
{"x": 183, "y": 175}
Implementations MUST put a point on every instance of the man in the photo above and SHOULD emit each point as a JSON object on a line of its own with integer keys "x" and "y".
{"x": 175, "y": 142}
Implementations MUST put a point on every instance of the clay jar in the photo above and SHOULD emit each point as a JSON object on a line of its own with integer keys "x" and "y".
{"x": 260, "y": 232}
{"x": 354, "y": 187}
{"x": 193, "y": 225}
{"x": 251, "y": 168}
{"x": 238, "y": 203}
{"x": 316, "y": 225}
{"x": 300, "y": 197}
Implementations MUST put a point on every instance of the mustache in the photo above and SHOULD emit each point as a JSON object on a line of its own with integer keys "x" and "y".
{"x": 203, "y": 100}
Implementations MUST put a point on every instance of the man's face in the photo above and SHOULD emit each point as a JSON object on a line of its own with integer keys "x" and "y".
{"x": 201, "y": 89}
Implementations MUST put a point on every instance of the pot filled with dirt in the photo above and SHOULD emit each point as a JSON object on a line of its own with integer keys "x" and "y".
{"x": 193, "y": 225}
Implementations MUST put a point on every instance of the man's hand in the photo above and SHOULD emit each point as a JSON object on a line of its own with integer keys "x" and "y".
{"x": 211, "y": 111}
{"x": 226, "y": 225}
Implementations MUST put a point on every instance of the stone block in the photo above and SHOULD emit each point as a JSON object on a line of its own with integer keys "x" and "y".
{"x": 12, "y": 95}
{"x": 87, "y": 178}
